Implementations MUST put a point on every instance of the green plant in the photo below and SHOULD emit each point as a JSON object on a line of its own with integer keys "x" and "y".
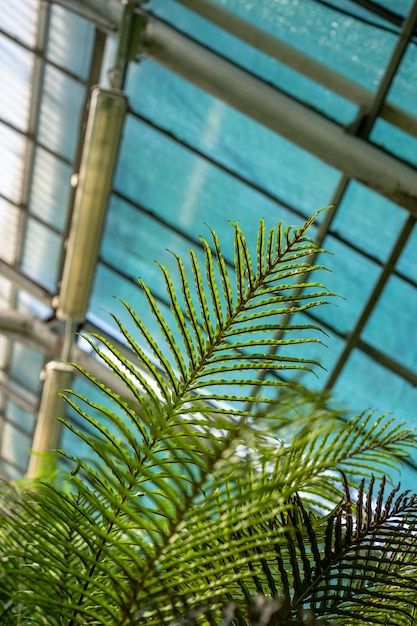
{"x": 203, "y": 502}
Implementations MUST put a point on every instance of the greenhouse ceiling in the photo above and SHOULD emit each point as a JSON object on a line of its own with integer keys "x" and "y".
{"x": 128, "y": 127}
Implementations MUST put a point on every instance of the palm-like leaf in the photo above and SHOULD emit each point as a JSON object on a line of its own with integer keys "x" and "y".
{"x": 224, "y": 329}
{"x": 358, "y": 564}
{"x": 190, "y": 501}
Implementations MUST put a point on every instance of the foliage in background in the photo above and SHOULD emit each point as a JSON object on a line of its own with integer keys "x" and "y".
{"x": 207, "y": 499}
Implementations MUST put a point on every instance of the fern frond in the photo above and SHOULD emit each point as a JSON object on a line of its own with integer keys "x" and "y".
{"x": 367, "y": 557}
{"x": 264, "y": 289}
{"x": 185, "y": 501}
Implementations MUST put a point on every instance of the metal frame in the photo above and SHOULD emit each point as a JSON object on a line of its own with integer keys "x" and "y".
{"x": 105, "y": 14}
{"x": 29, "y": 161}
{"x": 298, "y": 61}
{"x": 31, "y": 330}
{"x": 298, "y": 123}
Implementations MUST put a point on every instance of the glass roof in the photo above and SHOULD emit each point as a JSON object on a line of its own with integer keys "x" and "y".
{"x": 191, "y": 156}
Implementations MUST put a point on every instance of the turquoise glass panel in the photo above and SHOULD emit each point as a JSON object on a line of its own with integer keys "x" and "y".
{"x": 368, "y": 221}
{"x": 108, "y": 286}
{"x": 89, "y": 391}
{"x": 259, "y": 64}
{"x": 74, "y": 445}
{"x": 41, "y": 254}
{"x": 395, "y": 141}
{"x": 352, "y": 277}
{"x": 133, "y": 242}
{"x": 358, "y": 50}
{"x": 392, "y": 326}
{"x": 24, "y": 391}
{"x": 15, "y": 446}
{"x": 364, "y": 384}
{"x": 407, "y": 263}
{"x": 50, "y": 189}
{"x": 135, "y": 239}
{"x": 62, "y": 100}
{"x": 69, "y": 441}
{"x": 325, "y": 353}
{"x": 70, "y": 41}
{"x": 257, "y": 154}
{"x": 19, "y": 417}
{"x": 26, "y": 364}
{"x": 165, "y": 177}
{"x": 403, "y": 91}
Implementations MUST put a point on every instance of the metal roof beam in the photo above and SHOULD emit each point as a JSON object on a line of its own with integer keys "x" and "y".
{"x": 381, "y": 11}
{"x": 392, "y": 67}
{"x": 106, "y": 14}
{"x": 355, "y": 157}
{"x": 299, "y": 61}
{"x": 28, "y": 328}
{"x": 25, "y": 327}
{"x": 20, "y": 281}
{"x": 15, "y": 396}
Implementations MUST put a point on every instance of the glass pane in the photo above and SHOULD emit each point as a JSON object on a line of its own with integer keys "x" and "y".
{"x": 70, "y": 41}
{"x": 41, "y": 253}
{"x": 19, "y": 18}
{"x": 5, "y": 292}
{"x": 107, "y": 285}
{"x": 19, "y": 416}
{"x": 12, "y": 152}
{"x": 9, "y": 471}
{"x": 133, "y": 240}
{"x": 403, "y": 91}
{"x": 325, "y": 353}
{"x": 29, "y": 304}
{"x": 252, "y": 151}
{"x": 396, "y": 141}
{"x": 23, "y": 391}
{"x": 62, "y": 99}
{"x": 407, "y": 263}
{"x": 348, "y": 45}
{"x": 352, "y": 276}
{"x": 189, "y": 192}
{"x": 9, "y": 227}
{"x": 261, "y": 65}
{"x": 50, "y": 189}
{"x": 368, "y": 221}
{"x": 15, "y": 446}
{"x": 26, "y": 364}
{"x": 366, "y": 384}
{"x": 16, "y": 65}
{"x": 392, "y": 327}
